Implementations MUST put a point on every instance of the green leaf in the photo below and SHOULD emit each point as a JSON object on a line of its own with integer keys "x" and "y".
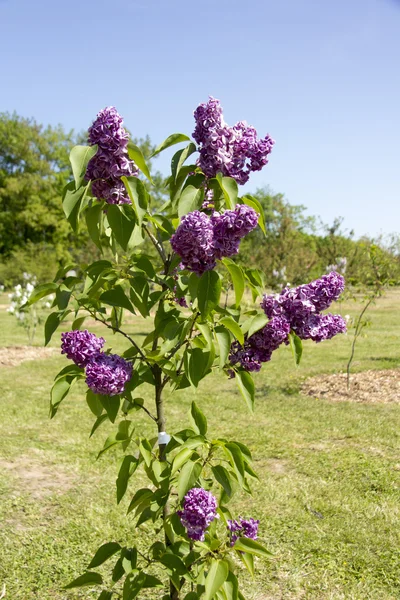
{"x": 245, "y": 544}
{"x": 216, "y": 577}
{"x": 180, "y": 157}
{"x": 105, "y": 595}
{"x": 129, "y": 559}
{"x": 233, "y": 327}
{"x": 97, "y": 423}
{"x": 79, "y": 158}
{"x": 139, "y": 294}
{"x": 128, "y": 467}
{"x": 231, "y": 587}
{"x": 222, "y": 476}
{"x": 187, "y": 477}
{"x": 247, "y": 560}
{"x": 122, "y": 220}
{"x": 111, "y": 406}
{"x": 238, "y": 280}
{"x": 257, "y": 323}
{"x": 93, "y": 217}
{"x": 254, "y": 203}
{"x": 120, "y": 437}
{"x": 296, "y": 346}
{"x": 117, "y": 297}
{"x": 180, "y": 459}
{"x": 94, "y": 403}
{"x": 89, "y": 578}
{"x": 198, "y": 361}
{"x": 245, "y": 384}
{"x": 52, "y": 323}
{"x": 191, "y": 199}
{"x": 104, "y": 553}
{"x": 138, "y": 194}
{"x": 224, "y": 345}
{"x": 141, "y": 496}
{"x": 77, "y": 323}
{"x": 209, "y": 291}
{"x": 175, "y": 138}
{"x": 118, "y": 571}
{"x": 136, "y": 155}
{"x": 230, "y": 190}
{"x": 40, "y": 291}
{"x": 198, "y": 419}
{"x": 60, "y": 390}
{"x": 145, "y": 450}
{"x": 72, "y": 203}
{"x": 236, "y": 458}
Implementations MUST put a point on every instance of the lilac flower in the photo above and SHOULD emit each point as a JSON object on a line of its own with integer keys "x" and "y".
{"x": 193, "y": 241}
{"x": 111, "y": 161}
{"x": 243, "y": 528}
{"x": 230, "y": 227}
{"x": 321, "y": 327}
{"x": 233, "y": 151}
{"x": 302, "y": 306}
{"x": 199, "y": 510}
{"x": 107, "y": 374}
{"x": 259, "y": 347}
{"x": 200, "y": 240}
{"x": 323, "y": 291}
{"x": 181, "y": 301}
{"x": 81, "y": 346}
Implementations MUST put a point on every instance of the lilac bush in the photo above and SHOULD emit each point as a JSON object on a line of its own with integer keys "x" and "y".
{"x": 188, "y": 478}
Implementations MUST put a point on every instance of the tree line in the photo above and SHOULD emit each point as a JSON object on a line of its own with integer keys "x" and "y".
{"x": 35, "y": 237}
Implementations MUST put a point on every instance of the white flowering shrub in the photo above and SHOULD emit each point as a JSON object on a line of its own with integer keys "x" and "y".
{"x": 28, "y": 316}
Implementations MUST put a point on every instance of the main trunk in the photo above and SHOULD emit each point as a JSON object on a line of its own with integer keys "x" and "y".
{"x": 173, "y": 592}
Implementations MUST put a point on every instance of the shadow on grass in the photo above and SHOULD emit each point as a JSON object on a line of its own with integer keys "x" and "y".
{"x": 390, "y": 359}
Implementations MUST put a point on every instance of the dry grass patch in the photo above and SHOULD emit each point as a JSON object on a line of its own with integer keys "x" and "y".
{"x": 12, "y": 356}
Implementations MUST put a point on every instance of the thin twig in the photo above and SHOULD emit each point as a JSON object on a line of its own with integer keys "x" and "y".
{"x": 156, "y": 245}
{"x": 356, "y": 334}
{"x": 117, "y": 330}
{"x": 148, "y": 412}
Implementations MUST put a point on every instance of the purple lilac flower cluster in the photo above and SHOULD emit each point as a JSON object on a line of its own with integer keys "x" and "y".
{"x": 233, "y": 151}
{"x": 243, "y": 528}
{"x": 297, "y": 309}
{"x": 201, "y": 240}
{"x": 111, "y": 161}
{"x": 199, "y": 510}
{"x": 81, "y": 346}
{"x": 106, "y": 374}
{"x": 259, "y": 347}
{"x": 302, "y": 306}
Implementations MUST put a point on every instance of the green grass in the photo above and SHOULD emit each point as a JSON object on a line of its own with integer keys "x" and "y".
{"x": 328, "y": 495}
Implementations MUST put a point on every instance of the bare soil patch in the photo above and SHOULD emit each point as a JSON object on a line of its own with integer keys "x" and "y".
{"x": 369, "y": 387}
{"x": 37, "y": 479}
{"x": 15, "y": 355}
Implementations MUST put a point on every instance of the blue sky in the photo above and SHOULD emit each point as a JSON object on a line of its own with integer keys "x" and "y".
{"x": 321, "y": 77}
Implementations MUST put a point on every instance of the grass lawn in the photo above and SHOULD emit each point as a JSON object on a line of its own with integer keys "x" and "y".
{"x": 328, "y": 498}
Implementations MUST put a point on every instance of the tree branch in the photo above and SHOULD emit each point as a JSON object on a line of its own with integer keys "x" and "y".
{"x": 118, "y": 330}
